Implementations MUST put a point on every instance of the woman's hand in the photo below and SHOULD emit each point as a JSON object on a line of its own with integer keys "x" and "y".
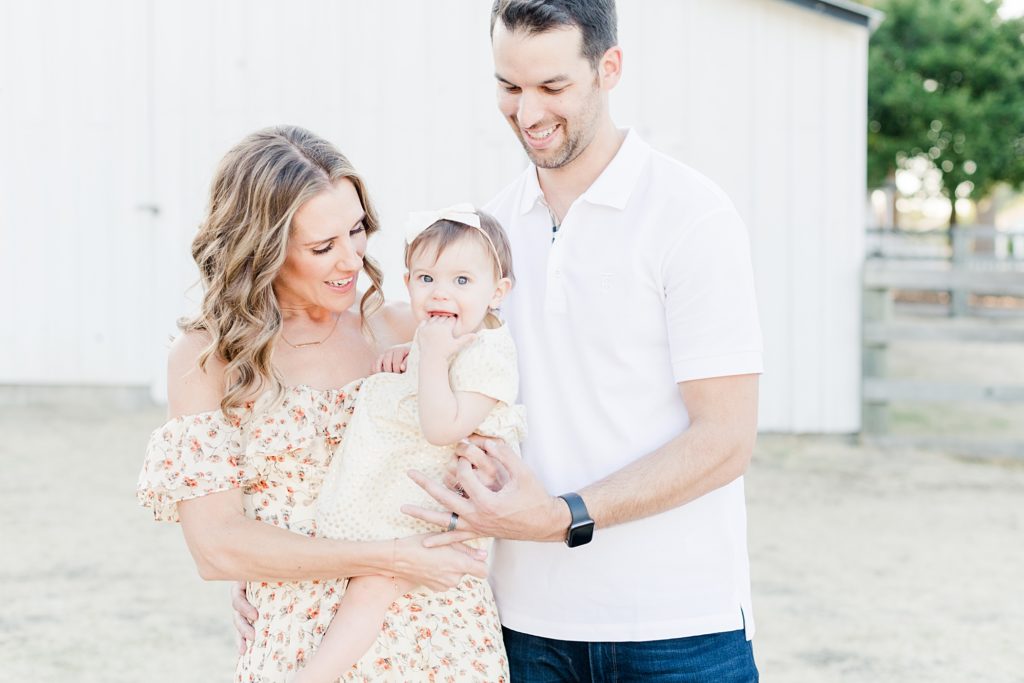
{"x": 392, "y": 360}
{"x": 245, "y": 614}
{"x": 437, "y": 568}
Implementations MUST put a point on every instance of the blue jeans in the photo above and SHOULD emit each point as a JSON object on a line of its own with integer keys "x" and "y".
{"x": 713, "y": 658}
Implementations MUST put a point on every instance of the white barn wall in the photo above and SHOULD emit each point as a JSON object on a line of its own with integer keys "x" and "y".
{"x": 73, "y": 246}
{"x": 134, "y": 103}
{"x": 769, "y": 99}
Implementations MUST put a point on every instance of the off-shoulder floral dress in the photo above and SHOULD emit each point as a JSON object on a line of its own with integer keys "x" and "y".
{"x": 278, "y": 453}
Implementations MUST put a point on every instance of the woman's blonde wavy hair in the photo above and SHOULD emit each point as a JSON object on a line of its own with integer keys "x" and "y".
{"x": 242, "y": 243}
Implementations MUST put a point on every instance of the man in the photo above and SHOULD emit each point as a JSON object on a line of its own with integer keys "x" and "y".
{"x": 635, "y": 321}
{"x": 636, "y": 324}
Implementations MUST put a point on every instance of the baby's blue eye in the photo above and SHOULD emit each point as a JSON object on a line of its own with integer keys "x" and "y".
{"x": 462, "y": 280}
{"x": 426, "y": 278}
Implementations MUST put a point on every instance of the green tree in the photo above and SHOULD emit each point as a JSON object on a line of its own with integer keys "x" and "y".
{"x": 946, "y": 81}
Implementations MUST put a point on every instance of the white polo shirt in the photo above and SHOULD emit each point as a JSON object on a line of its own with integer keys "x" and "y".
{"x": 648, "y": 284}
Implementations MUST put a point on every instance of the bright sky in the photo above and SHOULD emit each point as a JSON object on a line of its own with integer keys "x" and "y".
{"x": 1012, "y": 8}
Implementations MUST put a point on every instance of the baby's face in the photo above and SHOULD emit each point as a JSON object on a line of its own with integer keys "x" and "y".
{"x": 460, "y": 284}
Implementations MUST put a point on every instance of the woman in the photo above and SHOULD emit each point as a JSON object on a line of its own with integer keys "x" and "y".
{"x": 254, "y": 394}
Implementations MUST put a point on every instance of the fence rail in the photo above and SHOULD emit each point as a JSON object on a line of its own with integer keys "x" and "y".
{"x": 881, "y": 278}
{"x": 962, "y": 243}
{"x": 964, "y": 249}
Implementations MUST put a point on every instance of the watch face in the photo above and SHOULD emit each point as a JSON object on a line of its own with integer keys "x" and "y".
{"x": 580, "y": 533}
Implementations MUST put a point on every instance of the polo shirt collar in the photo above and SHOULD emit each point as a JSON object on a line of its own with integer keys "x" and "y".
{"x": 612, "y": 188}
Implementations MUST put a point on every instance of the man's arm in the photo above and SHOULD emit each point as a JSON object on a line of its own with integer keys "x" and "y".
{"x": 713, "y": 451}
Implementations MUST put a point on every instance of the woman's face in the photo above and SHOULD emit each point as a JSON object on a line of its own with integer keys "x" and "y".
{"x": 325, "y": 251}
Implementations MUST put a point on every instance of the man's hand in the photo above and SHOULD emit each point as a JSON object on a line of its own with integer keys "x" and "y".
{"x": 245, "y": 614}
{"x": 392, "y": 360}
{"x": 520, "y": 509}
{"x": 437, "y": 340}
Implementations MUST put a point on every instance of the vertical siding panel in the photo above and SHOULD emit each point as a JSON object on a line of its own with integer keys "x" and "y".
{"x": 772, "y": 231}
{"x": 18, "y": 67}
{"x": 806, "y": 187}
{"x": 845, "y": 144}
{"x": 654, "y": 93}
{"x": 50, "y": 209}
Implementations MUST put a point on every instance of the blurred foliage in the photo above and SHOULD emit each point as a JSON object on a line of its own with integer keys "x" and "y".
{"x": 946, "y": 80}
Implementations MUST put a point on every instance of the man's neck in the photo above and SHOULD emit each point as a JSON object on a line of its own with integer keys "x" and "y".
{"x": 563, "y": 186}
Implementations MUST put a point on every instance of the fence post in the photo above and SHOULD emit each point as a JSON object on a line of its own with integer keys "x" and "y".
{"x": 877, "y": 309}
{"x": 959, "y": 299}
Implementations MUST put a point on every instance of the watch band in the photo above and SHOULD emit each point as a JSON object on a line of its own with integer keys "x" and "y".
{"x": 581, "y": 529}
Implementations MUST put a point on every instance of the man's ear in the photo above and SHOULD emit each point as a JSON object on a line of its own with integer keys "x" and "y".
{"x": 609, "y": 69}
{"x": 501, "y": 289}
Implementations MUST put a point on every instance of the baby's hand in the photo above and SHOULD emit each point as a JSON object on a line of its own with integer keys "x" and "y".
{"x": 392, "y": 360}
{"x": 437, "y": 338}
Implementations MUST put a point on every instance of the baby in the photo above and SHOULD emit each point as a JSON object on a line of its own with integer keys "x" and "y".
{"x": 460, "y": 379}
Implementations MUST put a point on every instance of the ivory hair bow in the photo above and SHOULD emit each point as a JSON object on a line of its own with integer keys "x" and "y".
{"x": 419, "y": 221}
{"x": 466, "y": 214}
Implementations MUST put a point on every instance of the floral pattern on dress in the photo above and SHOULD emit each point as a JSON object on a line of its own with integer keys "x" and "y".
{"x": 449, "y": 637}
{"x": 277, "y": 452}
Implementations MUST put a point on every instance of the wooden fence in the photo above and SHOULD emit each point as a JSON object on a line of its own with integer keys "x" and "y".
{"x": 963, "y": 276}
{"x": 977, "y": 247}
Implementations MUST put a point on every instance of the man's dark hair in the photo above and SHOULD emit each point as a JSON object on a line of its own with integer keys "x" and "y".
{"x": 594, "y": 18}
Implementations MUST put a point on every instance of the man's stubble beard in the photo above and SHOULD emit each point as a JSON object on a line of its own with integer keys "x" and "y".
{"x": 576, "y": 141}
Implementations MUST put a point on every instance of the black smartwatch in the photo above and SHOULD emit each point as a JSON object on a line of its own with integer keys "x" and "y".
{"x": 581, "y": 530}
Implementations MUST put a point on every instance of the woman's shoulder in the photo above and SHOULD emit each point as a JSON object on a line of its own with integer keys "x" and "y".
{"x": 394, "y": 323}
{"x": 192, "y": 388}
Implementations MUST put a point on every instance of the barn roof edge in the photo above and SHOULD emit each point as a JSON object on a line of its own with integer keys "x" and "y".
{"x": 844, "y": 9}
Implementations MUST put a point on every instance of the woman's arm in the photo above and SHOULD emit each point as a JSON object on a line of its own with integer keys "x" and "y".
{"x": 227, "y": 545}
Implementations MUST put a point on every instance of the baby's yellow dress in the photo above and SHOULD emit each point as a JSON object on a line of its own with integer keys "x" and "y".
{"x": 450, "y": 636}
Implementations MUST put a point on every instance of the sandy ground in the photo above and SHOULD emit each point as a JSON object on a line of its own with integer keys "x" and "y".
{"x": 868, "y": 565}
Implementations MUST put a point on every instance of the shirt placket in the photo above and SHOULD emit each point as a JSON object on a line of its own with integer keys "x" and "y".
{"x": 556, "y": 299}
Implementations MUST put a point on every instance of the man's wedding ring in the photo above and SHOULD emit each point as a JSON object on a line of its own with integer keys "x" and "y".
{"x": 452, "y": 522}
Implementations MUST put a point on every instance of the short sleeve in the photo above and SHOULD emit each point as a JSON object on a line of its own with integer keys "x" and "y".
{"x": 191, "y": 456}
{"x": 710, "y": 305}
{"x": 488, "y": 366}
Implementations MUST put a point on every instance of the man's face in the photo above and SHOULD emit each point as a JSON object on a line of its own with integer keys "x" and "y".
{"x": 548, "y": 92}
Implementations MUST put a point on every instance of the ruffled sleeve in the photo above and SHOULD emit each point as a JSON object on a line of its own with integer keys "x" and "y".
{"x": 192, "y": 456}
{"x": 488, "y": 366}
